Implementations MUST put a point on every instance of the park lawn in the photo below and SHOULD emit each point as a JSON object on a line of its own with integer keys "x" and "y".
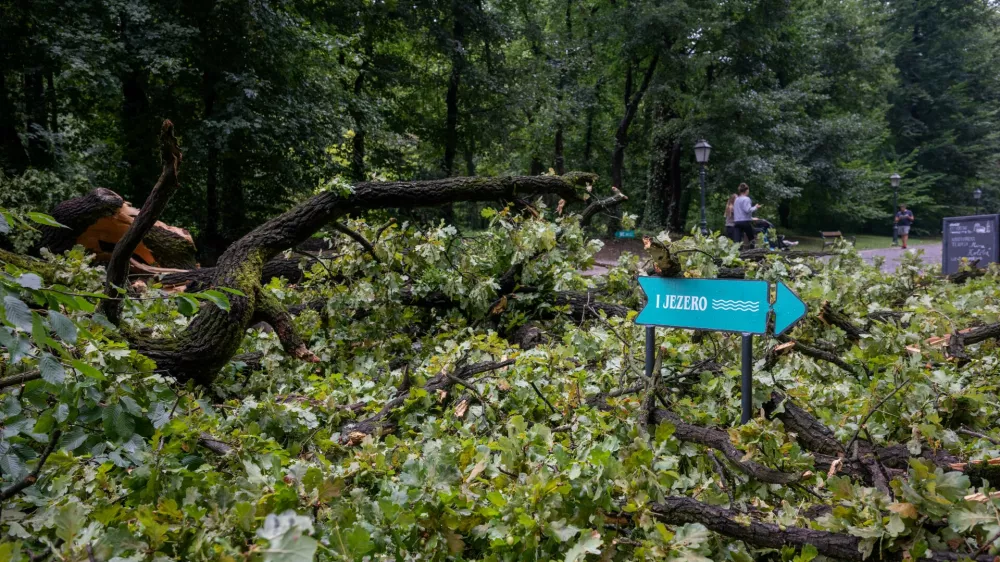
{"x": 864, "y": 241}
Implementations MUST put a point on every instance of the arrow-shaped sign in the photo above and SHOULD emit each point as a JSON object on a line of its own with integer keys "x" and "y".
{"x": 728, "y": 305}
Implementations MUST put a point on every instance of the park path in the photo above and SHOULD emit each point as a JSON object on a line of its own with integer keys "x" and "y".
{"x": 607, "y": 257}
{"x": 893, "y": 256}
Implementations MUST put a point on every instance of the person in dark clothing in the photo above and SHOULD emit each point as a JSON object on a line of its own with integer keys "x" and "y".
{"x": 904, "y": 218}
{"x": 743, "y": 209}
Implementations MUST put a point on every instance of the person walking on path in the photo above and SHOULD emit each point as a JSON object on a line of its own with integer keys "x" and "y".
{"x": 904, "y": 218}
{"x": 730, "y": 223}
{"x": 743, "y": 210}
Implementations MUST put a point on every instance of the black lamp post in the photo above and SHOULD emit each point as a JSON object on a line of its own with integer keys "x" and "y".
{"x": 894, "y": 180}
{"x": 977, "y": 195}
{"x": 702, "y": 150}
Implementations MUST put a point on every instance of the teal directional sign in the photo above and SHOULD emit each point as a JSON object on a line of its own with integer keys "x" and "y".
{"x": 728, "y": 305}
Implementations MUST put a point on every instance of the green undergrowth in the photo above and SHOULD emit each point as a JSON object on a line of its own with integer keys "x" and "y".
{"x": 521, "y": 466}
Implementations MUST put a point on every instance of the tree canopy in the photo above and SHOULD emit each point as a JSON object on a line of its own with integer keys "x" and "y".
{"x": 812, "y": 103}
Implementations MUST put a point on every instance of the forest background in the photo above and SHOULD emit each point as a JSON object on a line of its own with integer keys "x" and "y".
{"x": 813, "y": 103}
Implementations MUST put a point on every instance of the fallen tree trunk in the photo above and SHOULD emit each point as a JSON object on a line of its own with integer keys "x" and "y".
{"x": 214, "y": 335}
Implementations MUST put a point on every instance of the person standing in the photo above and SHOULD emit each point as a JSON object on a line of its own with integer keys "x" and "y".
{"x": 904, "y": 218}
{"x": 743, "y": 209}
{"x": 730, "y": 223}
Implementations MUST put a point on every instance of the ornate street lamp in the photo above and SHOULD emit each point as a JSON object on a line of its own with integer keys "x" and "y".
{"x": 702, "y": 150}
{"x": 977, "y": 195}
{"x": 894, "y": 181}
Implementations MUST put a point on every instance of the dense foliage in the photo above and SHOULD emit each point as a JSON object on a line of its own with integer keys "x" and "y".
{"x": 814, "y": 103}
{"x": 424, "y": 433}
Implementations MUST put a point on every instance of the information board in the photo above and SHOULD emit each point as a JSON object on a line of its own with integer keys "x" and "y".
{"x": 976, "y": 237}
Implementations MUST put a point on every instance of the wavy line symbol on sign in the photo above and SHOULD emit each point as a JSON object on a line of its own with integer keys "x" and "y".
{"x": 740, "y": 306}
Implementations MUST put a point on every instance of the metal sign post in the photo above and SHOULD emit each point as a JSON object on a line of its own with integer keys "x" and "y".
{"x": 746, "y": 386}
{"x": 723, "y": 305}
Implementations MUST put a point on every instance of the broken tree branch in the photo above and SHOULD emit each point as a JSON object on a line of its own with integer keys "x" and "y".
{"x": 719, "y": 440}
{"x": 677, "y": 510}
{"x": 117, "y": 272}
{"x": 357, "y": 237}
{"x": 834, "y": 317}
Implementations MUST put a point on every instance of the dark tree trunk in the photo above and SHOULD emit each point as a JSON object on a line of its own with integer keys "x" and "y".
{"x": 676, "y": 217}
{"x": 451, "y": 98}
{"x": 560, "y": 160}
{"x": 234, "y": 210}
{"x": 683, "y": 208}
{"x": 660, "y": 192}
{"x": 631, "y": 108}
{"x": 210, "y": 243}
{"x": 358, "y": 116}
{"x": 39, "y": 148}
{"x": 784, "y": 212}
{"x": 139, "y": 133}
{"x": 50, "y": 95}
{"x": 470, "y": 157}
{"x": 588, "y": 136}
{"x": 536, "y": 167}
{"x": 13, "y": 156}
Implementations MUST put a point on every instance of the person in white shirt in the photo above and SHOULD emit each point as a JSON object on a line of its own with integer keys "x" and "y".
{"x": 743, "y": 210}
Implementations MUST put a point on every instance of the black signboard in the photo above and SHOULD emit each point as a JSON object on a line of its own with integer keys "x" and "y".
{"x": 974, "y": 238}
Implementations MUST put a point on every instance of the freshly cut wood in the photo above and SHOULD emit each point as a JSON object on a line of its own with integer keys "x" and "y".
{"x": 99, "y": 219}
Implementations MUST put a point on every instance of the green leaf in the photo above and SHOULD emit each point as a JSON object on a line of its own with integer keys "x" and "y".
{"x": 186, "y": 305}
{"x": 963, "y": 520}
{"x": 17, "y": 313}
{"x": 236, "y": 292}
{"x": 46, "y": 220}
{"x": 809, "y": 552}
{"x": 562, "y": 531}
{"x": 63, "y": 327}
{"x": 359, "y": 542}
{"x": 288, "y": 538}
{"x": 218, "y": 299}
{"x": 30, "y": 281}
{"x": 589, "y": 543}
{"x": 72, "y": 439}
{"x": 52, "y": 370}
{"x": 69, "y": 520}
{"x": 117, "y": 422}
{"x": 87, "y": 370}
{"x": 11, "y": 464}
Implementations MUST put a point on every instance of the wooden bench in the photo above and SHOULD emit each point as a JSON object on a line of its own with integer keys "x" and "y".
{"x": 830, "y": 237}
